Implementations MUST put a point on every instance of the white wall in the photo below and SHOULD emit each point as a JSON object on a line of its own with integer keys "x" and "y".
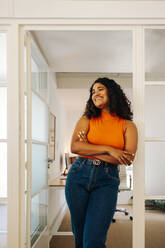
{"x": 59, "y": 110}
{"x": 56, "y": 197}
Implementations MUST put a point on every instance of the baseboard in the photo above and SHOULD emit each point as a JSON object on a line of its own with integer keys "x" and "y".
{"x": 57, "y": 221}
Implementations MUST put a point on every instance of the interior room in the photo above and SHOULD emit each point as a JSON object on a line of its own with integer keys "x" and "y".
{"x": 76, "y": 59}
{"x": 61, "y": 66}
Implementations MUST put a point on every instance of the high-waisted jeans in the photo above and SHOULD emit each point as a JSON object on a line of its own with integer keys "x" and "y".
{"x": 91, "y": 194}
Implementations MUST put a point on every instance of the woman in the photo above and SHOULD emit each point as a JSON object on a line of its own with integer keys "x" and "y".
{"x": 104, "y": 137}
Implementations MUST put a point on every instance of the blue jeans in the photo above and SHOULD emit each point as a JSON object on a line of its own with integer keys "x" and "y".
{"x": 91, "y": 194}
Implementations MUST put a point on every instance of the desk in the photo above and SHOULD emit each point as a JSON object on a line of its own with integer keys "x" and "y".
{"x": 57, "y": 182}
{"x": 61, "y": 182}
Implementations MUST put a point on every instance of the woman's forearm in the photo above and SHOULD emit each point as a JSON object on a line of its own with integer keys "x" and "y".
{"x": 85, "y": 148}
{"x": 107, "y": 158}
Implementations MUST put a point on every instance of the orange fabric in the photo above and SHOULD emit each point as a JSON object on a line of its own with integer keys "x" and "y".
{"x": 106, "y": 129}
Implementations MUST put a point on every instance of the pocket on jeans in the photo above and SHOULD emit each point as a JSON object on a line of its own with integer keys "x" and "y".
{"x": 112, "y": 173}
{"x": 76, "y": 166}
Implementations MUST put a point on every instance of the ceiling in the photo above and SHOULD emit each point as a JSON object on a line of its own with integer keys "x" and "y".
{"x": 87, "y": 51}
{"x": 97, "y": 52}
{"x": 100, "y": 51}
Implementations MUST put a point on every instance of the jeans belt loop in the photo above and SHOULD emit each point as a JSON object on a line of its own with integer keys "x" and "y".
{"x": 97, "y": 162}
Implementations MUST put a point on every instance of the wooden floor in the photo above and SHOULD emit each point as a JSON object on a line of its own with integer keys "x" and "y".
{"x": 120, "y": 233}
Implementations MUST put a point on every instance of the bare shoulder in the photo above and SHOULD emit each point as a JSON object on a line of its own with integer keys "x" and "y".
{"x": 83, "y": 120}
{"x": 130, "y": 125}
{"x": 82, "y": 124}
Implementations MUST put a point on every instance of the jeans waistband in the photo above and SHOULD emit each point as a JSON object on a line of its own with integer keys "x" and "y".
{"x": 98, "y": 162}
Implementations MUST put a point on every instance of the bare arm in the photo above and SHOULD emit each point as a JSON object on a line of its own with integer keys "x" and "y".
{"x": 82, "y": 147}
{"x": 131, "y": 138}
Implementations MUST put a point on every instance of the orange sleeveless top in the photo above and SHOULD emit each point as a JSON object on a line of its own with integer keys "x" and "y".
{"x": 106, "y": 129}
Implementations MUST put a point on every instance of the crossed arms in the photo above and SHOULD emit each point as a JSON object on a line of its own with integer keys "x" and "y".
{"x": 81, "y": 146}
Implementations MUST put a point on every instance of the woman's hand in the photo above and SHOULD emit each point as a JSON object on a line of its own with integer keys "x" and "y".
{"x": 123, "y": 157}
{"x": 82, "y": 136}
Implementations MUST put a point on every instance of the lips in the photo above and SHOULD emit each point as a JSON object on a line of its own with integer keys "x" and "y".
{"x": 98, "y": 98}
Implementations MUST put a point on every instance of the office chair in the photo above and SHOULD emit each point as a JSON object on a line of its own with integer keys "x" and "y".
{"x": 123, "y": 210}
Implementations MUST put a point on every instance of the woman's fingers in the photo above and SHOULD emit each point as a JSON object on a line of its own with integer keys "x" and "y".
{"x": 125, "y": 160}
{"x": 82, "y": 136}
{"x": 129, "y": 153}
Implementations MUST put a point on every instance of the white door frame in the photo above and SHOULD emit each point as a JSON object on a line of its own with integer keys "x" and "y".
{"x": 138, "y": 96}
{"x": 16, "y": 205}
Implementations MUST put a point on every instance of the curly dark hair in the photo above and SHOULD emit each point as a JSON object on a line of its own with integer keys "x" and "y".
{"x": 118, "y": 102}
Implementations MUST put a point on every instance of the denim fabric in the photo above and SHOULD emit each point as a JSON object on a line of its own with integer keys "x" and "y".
{"x": 91, "y": 194}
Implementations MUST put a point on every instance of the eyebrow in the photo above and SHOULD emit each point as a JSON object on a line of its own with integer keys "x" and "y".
{"x": 97, "y": 88}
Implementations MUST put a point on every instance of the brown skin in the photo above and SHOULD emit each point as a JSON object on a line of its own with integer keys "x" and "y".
{"x": 81, "y": 146}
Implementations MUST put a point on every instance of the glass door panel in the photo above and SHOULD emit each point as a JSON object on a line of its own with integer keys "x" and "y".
{"x": 3, "y": 140}
{"x": 155, "y": 136}
{"x": 155, "y": 223}
{"x": 155, "y": 169}
{"x": 3, "y": 113}
{"x": 3, "y": 195}
{"x": 154, "y": 111}
{"x": 39, "y": 167}
{"x": 155, "y": 54}
{"x": 36, "y": 133}
{"x": 39, "y": 212}
{"x": 3, "y": 58}
{"x": 39, "y": 119}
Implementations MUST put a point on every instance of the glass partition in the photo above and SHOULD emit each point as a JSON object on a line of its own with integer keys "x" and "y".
{"x": 3, "y": 140}
{"x": 3, "y": 58}
{"x": 154, "y": 54}
{"x": 155, "y": 137}
{"x": 3, "y": 195}
{"x": 36, "y": 140}
{"x": 154, "y": 111}
{"x": 154, "y": 223}
{"x": 40, "y": 118}
{"x": 39, "y": 72}
{"x": 39, "y": 167}
{"x": 39, "y": 212}
{"x": 3, "y": 113}
{"x": 155, "y": 169}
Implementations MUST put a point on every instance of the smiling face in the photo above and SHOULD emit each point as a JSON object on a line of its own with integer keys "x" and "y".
{"x": 100, "y": 97}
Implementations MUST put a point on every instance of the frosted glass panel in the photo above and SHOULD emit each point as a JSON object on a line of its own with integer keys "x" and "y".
{"x": 154, "y": 168}
{"x": 35, "y": 75}
{"x": 154, "y": 111}
{"x": 39, "y": 167}
{"x": 3, "y": 194}
{"x": 3, "y": 169}
{"x": 3, "y": 58}
{"x": 155, "y": 54}
{"x": 154, "y": 223}
{"x": 25, "y": 115}
{"x": 3, "y": 113}
{"x": 39, "y": 213}
{"x": 3, "y": 225}
{"x": 39, "y": 119}
{"x": 35, "y": 218}
{"x": 25, "y": 69}
{"x": 39, "y": 74}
